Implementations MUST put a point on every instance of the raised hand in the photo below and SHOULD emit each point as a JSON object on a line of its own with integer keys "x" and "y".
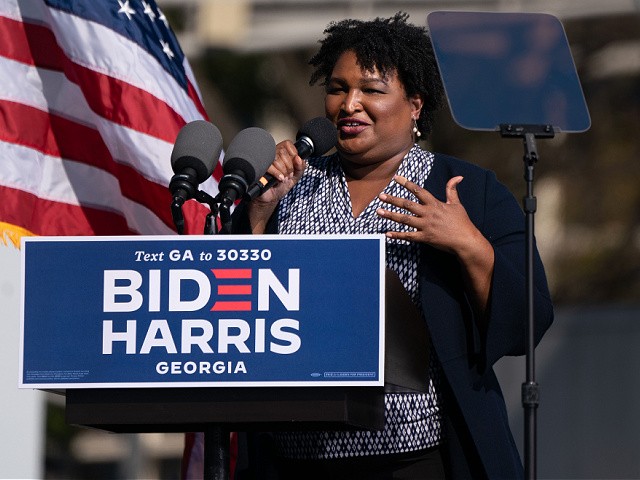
{"x": 287, "y": 168}
{"x": 446, "y": 226}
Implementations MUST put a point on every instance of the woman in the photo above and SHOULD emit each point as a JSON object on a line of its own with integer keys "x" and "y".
{"x": 454, "y": 237}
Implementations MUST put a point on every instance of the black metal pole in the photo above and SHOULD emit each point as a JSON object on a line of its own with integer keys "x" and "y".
{"x": 530, "y": 387}
{"x": 216, "y": 438}
{"x": 216, "y": 452}
{"x": 530, "y": 392}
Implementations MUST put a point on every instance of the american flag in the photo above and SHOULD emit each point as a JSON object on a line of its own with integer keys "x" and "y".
{"x": 92, "y": 96}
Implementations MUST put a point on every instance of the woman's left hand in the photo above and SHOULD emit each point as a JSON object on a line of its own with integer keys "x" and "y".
{"x": 444, "y": 225}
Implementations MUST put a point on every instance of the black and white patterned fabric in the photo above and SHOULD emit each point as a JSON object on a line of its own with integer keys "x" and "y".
{"x": 320, "y": 204}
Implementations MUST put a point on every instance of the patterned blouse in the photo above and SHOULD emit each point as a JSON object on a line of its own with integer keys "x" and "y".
{"x": 320, "y": 204}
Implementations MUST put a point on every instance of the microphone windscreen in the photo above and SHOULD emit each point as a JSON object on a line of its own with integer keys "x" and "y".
{"x": 251, "y": 152}
{"x": 198, "y": 146}
{"x": 322, "y": 133}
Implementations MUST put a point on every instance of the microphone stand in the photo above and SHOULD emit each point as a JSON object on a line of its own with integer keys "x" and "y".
{"x": 210, "y": 225}
{"x": 530, "y": 394}
{"x": 216, "y": 437}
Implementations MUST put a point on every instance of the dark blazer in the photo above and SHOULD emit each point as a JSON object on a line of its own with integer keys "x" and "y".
{"x": 476, "y": 421}
{"x": 479, "y": 443}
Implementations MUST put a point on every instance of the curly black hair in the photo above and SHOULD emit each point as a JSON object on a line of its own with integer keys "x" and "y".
{"x": 390, "y": 45}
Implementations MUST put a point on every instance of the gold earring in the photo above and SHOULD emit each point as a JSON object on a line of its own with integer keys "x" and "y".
{"x": 416, "y": 131}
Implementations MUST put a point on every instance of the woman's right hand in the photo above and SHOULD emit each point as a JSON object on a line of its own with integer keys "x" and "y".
{"x": 287, "y": 168}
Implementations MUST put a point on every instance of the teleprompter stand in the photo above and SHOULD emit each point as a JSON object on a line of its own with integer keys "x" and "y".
{"x": 530, "y": 393}
{"x": 525, "y": 78}
{"x": 218, "y": 411}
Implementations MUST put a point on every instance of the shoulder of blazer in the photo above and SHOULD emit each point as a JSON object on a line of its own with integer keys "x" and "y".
{"x": 445, "y": 167}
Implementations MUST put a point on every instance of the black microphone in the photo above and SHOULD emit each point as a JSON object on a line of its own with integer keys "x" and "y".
{"x": 317, "y": 136}
{"x": 249, "y": 155}
{"x": 194, "y": 156}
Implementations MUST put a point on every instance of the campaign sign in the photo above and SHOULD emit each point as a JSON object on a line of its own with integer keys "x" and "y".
{"x": 113, "y": 312}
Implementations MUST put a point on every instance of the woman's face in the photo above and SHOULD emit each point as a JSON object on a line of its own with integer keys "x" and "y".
{"x": 373, "y": 115}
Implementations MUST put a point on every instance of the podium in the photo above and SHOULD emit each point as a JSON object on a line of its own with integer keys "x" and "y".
{"x": 217, "y": 411}
{"x": 269, "y": 407}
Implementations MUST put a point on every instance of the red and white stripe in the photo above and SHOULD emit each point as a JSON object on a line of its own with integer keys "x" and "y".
{"x": 87, "y": 125}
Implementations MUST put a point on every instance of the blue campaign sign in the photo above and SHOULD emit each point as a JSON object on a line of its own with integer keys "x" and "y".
{"x": 113, "y": 312}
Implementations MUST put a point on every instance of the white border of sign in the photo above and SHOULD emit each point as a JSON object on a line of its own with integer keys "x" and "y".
{"x": 164, "y": 238}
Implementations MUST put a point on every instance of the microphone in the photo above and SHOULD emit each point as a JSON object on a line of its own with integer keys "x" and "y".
{"x": 317, "y": 136}
{"x": 194, "y": 156}
{"x": 249, "y": 155}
